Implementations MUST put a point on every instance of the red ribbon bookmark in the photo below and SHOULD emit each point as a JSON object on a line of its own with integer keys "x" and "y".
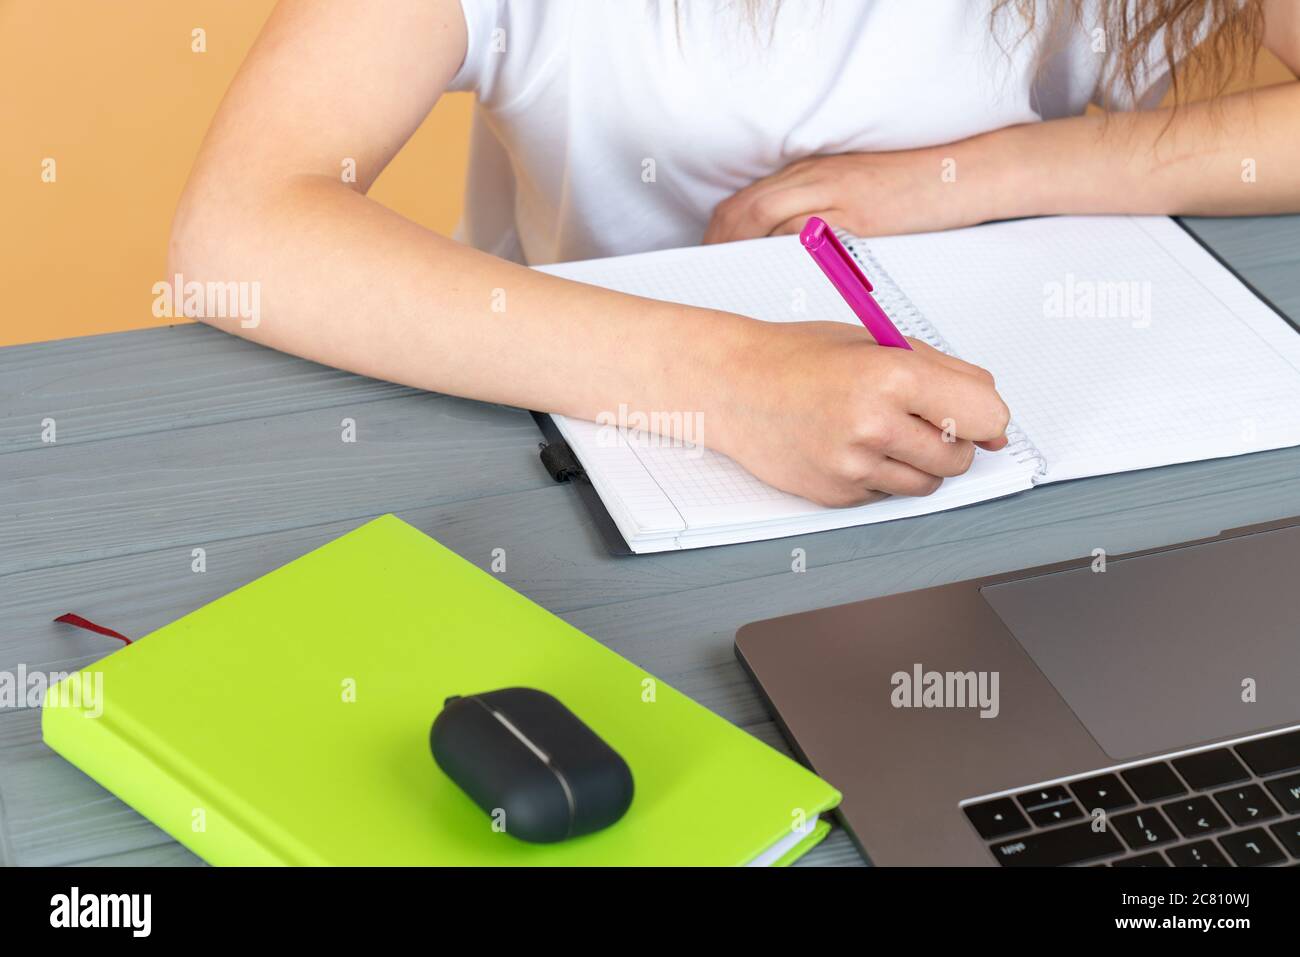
{"x": 78, "y": 621}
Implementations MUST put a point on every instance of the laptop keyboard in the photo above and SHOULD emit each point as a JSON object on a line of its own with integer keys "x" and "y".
{"x": 1223, "y": 806}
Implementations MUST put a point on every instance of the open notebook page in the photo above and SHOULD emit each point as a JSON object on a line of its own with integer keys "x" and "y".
{"x": 1118, "y": 342}
{"x": 664, "y": 497}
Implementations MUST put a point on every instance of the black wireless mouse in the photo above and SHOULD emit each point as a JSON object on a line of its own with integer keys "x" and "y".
{"x": 531, "y": 764}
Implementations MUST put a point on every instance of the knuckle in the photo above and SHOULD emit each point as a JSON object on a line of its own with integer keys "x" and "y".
{"x": 847, "y": 466}
{"x": 896, "y": 379}
{"x": 766, "y": 207}
{"x": 876, "y": 433}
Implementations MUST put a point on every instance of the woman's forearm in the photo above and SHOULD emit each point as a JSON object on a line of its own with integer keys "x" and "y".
{"x": 349, "y": 283}
{"x": 811, "y": 407}
{"x": 1236, "y": 157}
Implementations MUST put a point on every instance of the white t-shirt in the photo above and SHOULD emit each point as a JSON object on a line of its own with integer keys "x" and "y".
{"x": 615, "y": 126}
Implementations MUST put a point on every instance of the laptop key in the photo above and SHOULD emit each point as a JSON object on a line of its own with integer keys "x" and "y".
{"x": 1043, "y": 797}
{"x": 1195, "y": 816}
{"x": 1152, "y": 859}
{"x": 1287, "y": 792}
{"x": 1210, "y": 769}
{"x": 1143, "y": 829}
{"x": 1252, "y": 848}
{"x": 1272, "y": 755}
{"x": 1248, "y": 804}
{"x": 1154, "y": 782}
{"x": 996, "y": 818}
{"x": 1104, "y": 791}
{"x": 1197, "y": 854}
{"x": 1288, "y": 832}
{"x": 1055, "y": 814}
{"x": 1074, "y": 844}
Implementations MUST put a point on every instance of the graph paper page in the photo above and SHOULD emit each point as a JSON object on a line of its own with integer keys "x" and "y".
{"x": 1118, "y": 342}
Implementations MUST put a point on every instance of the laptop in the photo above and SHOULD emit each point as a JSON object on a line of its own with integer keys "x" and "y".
{"x": 1131, "y": 711}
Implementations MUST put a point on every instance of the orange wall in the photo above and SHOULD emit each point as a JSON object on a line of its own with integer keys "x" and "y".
{"x": 111, "y": 91}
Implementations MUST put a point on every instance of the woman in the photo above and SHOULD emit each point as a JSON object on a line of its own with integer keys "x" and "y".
{"x": 607, "y": 128}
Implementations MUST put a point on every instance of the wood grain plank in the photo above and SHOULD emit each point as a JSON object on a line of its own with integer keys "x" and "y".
{"x": 189, "y": 486}
{"x": 553, "y": 554}
{"x": 155, "y": 380}
{"x": 1264, "y": 250}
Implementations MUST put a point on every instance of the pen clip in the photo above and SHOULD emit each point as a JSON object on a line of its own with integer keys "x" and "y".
{"x": 817, "y": 234}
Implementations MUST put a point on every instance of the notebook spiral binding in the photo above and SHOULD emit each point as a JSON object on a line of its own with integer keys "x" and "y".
{"x": 911, "y": 322}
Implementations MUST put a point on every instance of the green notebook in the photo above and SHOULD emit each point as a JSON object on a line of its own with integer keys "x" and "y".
{"x": 288, "y": 723}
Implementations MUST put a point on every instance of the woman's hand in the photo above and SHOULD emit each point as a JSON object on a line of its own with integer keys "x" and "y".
{"x": 869, "y": 194}
{"x": 820, "y": 410}
{"x": 1147, "y": 162}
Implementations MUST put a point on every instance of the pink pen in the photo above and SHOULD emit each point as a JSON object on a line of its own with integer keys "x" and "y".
{"x": 843, "y": 272}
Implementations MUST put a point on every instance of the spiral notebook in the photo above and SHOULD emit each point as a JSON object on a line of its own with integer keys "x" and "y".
{"x": 1119, "y": 343}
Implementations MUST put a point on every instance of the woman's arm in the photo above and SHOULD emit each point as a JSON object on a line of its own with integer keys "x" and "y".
{"x": 1236, "y": 157}
{"x": 1230, "y": 158}
{"x": 349, "y": 282}
{"x": 1233, "y": 158}
{"x": 818, "y": 410}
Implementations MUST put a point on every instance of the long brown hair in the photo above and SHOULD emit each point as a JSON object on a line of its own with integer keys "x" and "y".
{"x": 1206, "y": 44}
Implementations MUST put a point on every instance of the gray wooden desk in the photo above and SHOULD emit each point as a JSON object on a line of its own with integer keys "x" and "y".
{"x": 182, "y": 438}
